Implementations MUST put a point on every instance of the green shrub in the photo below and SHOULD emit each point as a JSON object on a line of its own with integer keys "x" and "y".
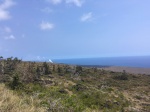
{"x": 15, "y": 83}
{"x": 121, "y": 77}
{"x": 79, "y": 87}
{"x": 73, "y": 104}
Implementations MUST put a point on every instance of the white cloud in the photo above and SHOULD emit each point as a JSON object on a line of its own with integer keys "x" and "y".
{"x": 46, "y": 26}
{"x": 6, "y": 33}
{"x": 10, "y": 37}
{"x": 4, "y": 13}
{"x": 35, "y": 58}
{"x": 75, "y": 2}
{"x": 86, "y": 17}
{"x": 39, "y": 58}
{"x": 54, "y": 1}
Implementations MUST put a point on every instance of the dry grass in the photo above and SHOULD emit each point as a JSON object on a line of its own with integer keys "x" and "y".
{"x": 11, "y": 102}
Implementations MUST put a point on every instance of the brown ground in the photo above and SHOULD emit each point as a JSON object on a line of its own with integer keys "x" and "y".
{"x": 132, "y": 70}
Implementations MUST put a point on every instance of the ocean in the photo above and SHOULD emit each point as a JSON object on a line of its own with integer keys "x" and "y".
{"x": 134, "y": 61}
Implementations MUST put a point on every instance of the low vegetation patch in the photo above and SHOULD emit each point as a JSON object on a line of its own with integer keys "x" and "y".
{"x": 47, "y": 87}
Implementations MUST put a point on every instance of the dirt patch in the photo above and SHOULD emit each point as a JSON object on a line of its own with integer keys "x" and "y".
{"x": 69, "y": 92}
{"x": 66, "y": 84}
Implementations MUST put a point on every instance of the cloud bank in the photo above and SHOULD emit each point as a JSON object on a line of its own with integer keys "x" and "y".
{"x": 46, "y": 25}
{"x": 75, "y": 2}
{"x": 78, "y": 3}
{"x": 54, "y": 1}
{"x": 86, "y": 17}
{"x": 4, "y": 13}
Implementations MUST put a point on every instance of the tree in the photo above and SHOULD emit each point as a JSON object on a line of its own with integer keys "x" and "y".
{"x": 95, "y": 69}
{"x": 78, "y": 69}
{"x": 38, "y": 72}
{"x": 1, "y": 65}
{"x": 53, "y": 68}
{"x": 59, "y": 69}
{"x": 10, "y": 59}
{"x": 124, "y": 75}
{"x": 1, "y": 57}
{"x": 15, "y": 84}
{"x": 46, "y": 67}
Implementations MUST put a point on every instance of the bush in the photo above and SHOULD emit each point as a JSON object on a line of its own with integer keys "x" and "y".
{"x": 15, "y": 83}
{"x": 121, "y": 77}
{"x": 78, "y": 69}
{"x": 79, "y": 87}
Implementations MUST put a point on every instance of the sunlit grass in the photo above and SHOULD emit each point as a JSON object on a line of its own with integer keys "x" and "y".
{"x": 11, "y": 102}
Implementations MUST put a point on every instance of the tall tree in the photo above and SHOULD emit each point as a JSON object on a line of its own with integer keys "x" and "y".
{"x": 46, "y": 67}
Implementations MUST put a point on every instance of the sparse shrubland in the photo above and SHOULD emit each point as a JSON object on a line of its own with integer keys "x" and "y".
{"x": 47, "y": 87}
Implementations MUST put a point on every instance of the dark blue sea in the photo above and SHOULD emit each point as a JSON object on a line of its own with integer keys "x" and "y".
{"x": 134, "y": 61}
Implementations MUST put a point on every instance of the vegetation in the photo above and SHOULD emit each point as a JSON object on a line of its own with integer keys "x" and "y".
{"x": 48, "y": 87}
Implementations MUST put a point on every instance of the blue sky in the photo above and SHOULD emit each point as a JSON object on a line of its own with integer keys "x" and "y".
{"x": 42, "y": 29}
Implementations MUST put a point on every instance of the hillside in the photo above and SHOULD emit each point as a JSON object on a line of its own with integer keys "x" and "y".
{"x": 48, "y": 87}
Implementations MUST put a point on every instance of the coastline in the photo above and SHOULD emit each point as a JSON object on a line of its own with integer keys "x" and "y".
{"x": 133, "y": 70}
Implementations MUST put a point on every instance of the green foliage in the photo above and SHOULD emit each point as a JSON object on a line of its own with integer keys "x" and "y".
{"x": 59, "y": 70}
{"x": 10, "y": 65}
{"x": 1, "y": 57}
{"x": 95, "y": 69}
{"x": 123, "y": 76}
{"x": 53, "y": 68}
{"x": 46, "y": 67}
{"x": 73, "y": 103}
{"x": 79, "y": 87}
{"x": 15, "y": 84}
{"x": 38, "y": 73}
{"x": 103, "y": 101}
{"x": 92, "y": 90}
{"x": 78, "y": 69}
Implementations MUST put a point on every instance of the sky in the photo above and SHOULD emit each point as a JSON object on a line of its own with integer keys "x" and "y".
{"x": 52, "y": 29}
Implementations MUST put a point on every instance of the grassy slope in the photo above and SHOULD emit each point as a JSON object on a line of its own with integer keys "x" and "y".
{"x": 91, "y": 90}
{"x": 12, "y": 102}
